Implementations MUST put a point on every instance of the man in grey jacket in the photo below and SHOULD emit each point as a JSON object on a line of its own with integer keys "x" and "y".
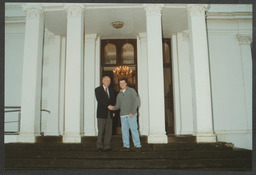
{"x": 128, "y": 102}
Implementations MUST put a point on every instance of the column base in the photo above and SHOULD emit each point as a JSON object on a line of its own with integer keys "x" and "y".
{"x": 71, "y": 138}
{"x": 186, "y": 133}
{"x": 157, "y": 138}
{"x": 90, "y": 132}
{"x": 27, "y": 137}
{"x": 206, "y": 138}
{"x": 144, "y": 132}
{"x": 52, "y": 134}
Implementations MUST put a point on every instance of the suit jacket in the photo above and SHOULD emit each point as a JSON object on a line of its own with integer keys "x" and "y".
{"x": 104, "y": 101}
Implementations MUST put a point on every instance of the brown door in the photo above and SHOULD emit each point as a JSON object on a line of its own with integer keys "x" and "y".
{"x": 114, "y": 53}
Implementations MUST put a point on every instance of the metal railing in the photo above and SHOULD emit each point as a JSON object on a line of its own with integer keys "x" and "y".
{"x": 10, "y": 109}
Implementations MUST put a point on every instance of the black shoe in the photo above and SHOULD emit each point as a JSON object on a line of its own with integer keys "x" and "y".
{"x": 109, "y": 150}
{"x": 99, "y": 150}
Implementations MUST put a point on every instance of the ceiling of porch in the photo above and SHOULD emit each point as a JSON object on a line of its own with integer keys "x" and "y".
{"x": 98, "y": 20}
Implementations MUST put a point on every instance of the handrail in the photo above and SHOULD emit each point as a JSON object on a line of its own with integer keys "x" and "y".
{"x": 45, "y": 110}
{"x": 11, "y": 122}
{"x": 12, "y": 107}
{"x": 13, "y": 111}
{"x": 17, "y": 109}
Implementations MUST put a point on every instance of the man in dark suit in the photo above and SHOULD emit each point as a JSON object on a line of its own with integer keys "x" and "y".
{"x": 105, "y": 97}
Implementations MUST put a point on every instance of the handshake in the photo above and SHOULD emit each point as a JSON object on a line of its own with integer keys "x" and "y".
{"x": 111, "y": 107}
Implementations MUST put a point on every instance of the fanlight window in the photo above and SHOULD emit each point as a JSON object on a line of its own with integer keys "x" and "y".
{"x": 166, "y": 53}
{"x": 127, "y": 54}
{"x": 110, "y": 54}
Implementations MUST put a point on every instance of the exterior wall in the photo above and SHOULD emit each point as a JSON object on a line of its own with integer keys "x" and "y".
{"x": 231, "y": 85}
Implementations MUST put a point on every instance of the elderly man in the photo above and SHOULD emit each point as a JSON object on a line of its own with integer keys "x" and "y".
{"x": 105, "y": 97}
{"x": 128, "y": 102}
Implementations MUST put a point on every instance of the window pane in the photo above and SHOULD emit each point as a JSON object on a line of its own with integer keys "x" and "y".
{"x": 110, "y": 54}
{"x": 127, "y": 54}
{"x": 166, "y": 53}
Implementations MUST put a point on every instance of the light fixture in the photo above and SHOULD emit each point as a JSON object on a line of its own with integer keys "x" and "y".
{"x": 122, "y": 72}
{"x": 117, "y": 24}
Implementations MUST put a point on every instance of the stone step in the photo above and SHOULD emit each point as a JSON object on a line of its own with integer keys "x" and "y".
{"x": 62, "y": 154}
{"x": 49, "y": 139}
{"x": 116, "y": 138}
{"x": 214, "y": 164}
{"x": 181, "y": 139}
{"x": 209, "y": 156}
{"x": 89, "y": 147}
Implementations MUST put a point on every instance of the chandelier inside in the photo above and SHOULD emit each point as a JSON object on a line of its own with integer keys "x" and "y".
{"x": 122, "y": 72}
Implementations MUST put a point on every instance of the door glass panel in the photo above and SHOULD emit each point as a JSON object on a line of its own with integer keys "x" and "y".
{"x": 166, "y": 53}
{"x": 127, "y": 54}
{"x": 110, "y": 54}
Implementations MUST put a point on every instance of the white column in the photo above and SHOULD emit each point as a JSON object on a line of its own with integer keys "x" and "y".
{"x": 50, "y": 83}
{"x": 176, "y": 87}
{"x": 97, "y": 80}
{"x": 74, "y": 74}
{"x": 246, "y": 62}
{"x": 203, "y": 124}
{"x": 143, "y": 83}
{"x": 89, "y": 84}
{"x": 186, "y": 109}
{"x": 157, "y": 133}
{"x": 62, "y": 85}
{"x": 31, "y": 81}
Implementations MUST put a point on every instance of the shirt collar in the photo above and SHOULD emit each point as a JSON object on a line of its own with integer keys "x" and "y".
{"x": 104, "y": 87}
{"x": 124, "y": 90}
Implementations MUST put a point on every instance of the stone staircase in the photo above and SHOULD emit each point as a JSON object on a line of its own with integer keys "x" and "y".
{"x": 182, "y": 152}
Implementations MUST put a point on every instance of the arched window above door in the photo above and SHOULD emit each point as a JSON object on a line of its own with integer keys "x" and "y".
{"x": 110, "y": 54}
{"x": 118, "y": 52}
{"x": 127, "y": 54}
{"x": 166, "y": 53}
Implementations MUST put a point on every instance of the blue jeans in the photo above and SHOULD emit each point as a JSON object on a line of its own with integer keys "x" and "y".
{"x": 127, "y": 123}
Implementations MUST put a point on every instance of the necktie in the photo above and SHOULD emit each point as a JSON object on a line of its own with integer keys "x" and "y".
{"x": 106, "y": 90}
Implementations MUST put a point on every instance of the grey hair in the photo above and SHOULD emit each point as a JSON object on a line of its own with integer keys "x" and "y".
{"x": 105, "y": 77}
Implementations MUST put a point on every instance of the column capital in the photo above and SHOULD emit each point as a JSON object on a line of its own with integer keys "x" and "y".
{"x": 33, "y": 11}
{"x": 91, "y": 36}
{"x": 185, "y": 34}
{"x": 74, "y": 10}
{"x": 142, "y": 36}
{"x": 197, "y": 9}
{"x": 49, "y": 37}
{"x": 153, "y": 9}
{"x": 244, "y": 39}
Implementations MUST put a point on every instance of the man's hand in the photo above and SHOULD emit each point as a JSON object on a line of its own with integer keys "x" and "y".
{"x": 111, "y": 107}
{"x": 130, "y": 115}
{"x": 114, "y": 114}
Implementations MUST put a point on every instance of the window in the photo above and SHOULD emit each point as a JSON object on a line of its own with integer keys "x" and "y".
{"x": 127, "y": 54}
{"x": 110, "y": 54}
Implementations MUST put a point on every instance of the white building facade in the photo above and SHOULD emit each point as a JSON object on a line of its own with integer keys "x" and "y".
{"x": 53, "y": 58}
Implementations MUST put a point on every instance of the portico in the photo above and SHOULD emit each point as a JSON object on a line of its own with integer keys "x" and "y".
{"x": 77, "y": 31}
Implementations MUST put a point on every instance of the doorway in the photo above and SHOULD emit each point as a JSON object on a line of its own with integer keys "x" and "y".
{"x": 114, "y": 53}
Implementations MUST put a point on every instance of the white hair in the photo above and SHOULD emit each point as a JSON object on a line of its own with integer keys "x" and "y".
{"x": 105, "y": 77}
